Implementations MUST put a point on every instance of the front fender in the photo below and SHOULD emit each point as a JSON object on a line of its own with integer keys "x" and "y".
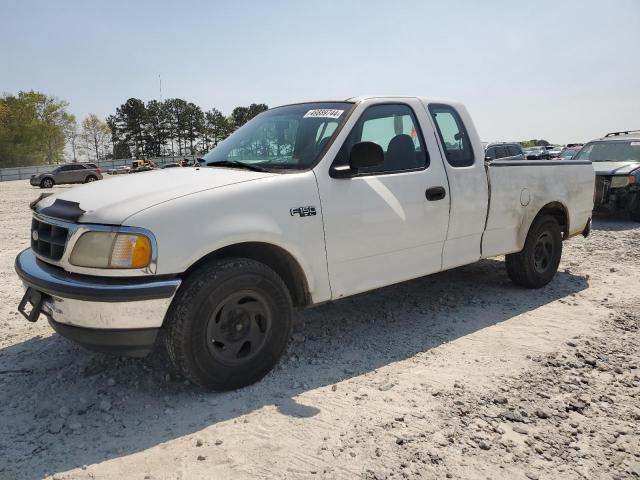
{"x": 190, "y": 227}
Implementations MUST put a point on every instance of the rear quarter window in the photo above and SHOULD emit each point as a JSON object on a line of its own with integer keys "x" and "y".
{"x": 453, "y": 135}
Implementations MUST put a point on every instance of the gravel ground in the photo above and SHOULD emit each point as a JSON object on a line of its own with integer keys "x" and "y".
{"x": 456, "y": 375}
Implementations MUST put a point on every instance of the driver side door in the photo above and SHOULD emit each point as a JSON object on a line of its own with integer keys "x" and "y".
{"x": 380, "y": 227}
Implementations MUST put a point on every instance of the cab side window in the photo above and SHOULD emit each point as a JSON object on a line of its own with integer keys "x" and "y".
{"x": 516, "y": 150}
{"x": 395, "y": 128}
{"x": 502, "y": 152}
{"x": 453, "y": 135}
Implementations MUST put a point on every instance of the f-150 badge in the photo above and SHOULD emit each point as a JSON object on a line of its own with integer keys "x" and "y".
{"x": 303, "y": 211}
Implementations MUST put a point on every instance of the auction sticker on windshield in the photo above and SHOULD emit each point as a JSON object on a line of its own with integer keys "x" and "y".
{"x": 323, "y": 113}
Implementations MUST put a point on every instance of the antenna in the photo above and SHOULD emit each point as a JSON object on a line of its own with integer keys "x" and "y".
{"x": 160, "y": 80}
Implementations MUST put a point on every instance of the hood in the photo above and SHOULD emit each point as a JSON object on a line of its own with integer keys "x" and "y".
{"x": 112, "y": 200}
{"x": 615, "y": 168}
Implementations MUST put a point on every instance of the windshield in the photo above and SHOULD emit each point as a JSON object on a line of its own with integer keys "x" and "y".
{"x": 611, "y": 151}
{"x": 290, "y": 137}
{"x": 568, "y": 153}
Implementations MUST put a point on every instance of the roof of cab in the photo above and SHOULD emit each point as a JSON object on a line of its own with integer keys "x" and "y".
{"x": 362, "y": 98}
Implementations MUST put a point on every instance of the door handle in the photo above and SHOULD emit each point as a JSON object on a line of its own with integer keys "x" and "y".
{"x": 435, "y": 193}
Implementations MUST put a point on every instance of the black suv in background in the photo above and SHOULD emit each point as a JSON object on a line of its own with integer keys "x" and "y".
{"x": 512, "y": 151}
{"x": 616, "y": 161}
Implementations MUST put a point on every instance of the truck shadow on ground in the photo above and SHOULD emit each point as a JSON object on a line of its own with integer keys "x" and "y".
{"x": 63, "y": 408}
{"x": 613, "y": 221}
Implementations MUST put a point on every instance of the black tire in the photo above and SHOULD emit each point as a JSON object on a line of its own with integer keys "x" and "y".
{"x": 90, "y": 178}
{"x": 537, "y": 263}
{"x": 222, "y": 311}
{"x": 47, "y": 183}
{"x": 634, "y": 210}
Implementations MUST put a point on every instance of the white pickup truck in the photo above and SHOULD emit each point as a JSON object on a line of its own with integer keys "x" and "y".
{"x": 305, "y": 204}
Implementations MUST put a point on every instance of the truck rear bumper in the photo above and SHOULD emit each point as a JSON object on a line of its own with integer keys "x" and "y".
{"x": 122, "y": 315}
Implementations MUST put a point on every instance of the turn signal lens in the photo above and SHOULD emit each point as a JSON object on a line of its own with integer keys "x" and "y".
{"x": 632, "y": 179}
{"x": 130, "y": 251}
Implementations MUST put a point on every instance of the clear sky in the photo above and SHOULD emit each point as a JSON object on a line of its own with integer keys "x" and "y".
{"x": 564, "y": 70}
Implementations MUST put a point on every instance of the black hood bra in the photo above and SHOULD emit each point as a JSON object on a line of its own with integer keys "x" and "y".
{"x": 64, "y": 210}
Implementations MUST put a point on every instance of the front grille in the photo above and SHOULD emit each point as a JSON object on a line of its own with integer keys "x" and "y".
{"x": 48, "y": 240}
{"x": 602, "y": 189}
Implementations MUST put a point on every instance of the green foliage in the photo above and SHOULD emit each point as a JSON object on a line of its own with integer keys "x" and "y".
{"x": 121, "y": 150}
{"x": 217, "y": 127}
{"x": 130, "y": 121}
{"x": 242, "y": 115}
{"x": 32, "y": 129}
{"x": 174, "y": 126}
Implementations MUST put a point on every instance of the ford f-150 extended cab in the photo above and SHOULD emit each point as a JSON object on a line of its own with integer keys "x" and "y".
{"x": 306, "y": 203}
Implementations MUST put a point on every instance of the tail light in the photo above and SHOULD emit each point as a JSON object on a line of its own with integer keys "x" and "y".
{"x": 98, "y": 170}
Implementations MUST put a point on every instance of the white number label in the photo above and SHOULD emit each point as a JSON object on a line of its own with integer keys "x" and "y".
{"x": 323, "y": 113}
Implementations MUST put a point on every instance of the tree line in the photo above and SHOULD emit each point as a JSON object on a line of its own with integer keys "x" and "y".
{"x": 37, "y": 129}
{"x": 32, "y": 129}
{"x": 171, "y": 127}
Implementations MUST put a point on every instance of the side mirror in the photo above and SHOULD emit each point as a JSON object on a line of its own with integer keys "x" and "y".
{"x": 487, "y": 159}
{"x": 362, "y": 155}
{"x": 365, "y": 154}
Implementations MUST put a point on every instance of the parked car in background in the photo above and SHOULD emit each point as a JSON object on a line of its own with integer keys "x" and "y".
{"x": 121, "y": 170}
{"x": 494, "y": 151}
{"x": 68, "y": 173}
{"x": 537, "y": 153}
{"x": 171, "y": 165}
{"x": 554, "y": 151}
{"x": 567, "y": 153}
{"x": 616, "y": 161}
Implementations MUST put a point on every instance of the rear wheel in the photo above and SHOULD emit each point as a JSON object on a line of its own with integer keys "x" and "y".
{"x": 634, "y": 210}
{"x": 229, "y": 324}
{"x": 537, "y": 263}
{"x": 47, "y": 183}
{"x": 90, "y": 178}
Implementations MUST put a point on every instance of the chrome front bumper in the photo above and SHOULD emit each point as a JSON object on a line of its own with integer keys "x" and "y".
{"x": 101, "y": 305}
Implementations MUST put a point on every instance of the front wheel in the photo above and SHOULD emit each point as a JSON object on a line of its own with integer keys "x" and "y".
{"x": 537, "y": 263}
{"x": 46, "y": 183}
{"x": 229, "y": 324}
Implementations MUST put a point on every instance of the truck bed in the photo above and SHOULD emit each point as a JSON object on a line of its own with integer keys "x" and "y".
{"x": 518, "y": 190}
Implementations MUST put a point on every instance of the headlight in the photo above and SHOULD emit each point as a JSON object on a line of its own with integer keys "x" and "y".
{"x": 111, "y": 250}
{"x": 619, "y": 182}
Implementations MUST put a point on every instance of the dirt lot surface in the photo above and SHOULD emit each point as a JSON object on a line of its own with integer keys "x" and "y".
{"x": 457, "y": 375}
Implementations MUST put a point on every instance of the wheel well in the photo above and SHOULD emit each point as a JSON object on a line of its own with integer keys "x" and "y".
{"x": 559, "y": 212}
{"x": 278, "y": 259}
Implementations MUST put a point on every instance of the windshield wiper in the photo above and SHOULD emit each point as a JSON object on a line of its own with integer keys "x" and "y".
{"x": 236, "y": 164}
